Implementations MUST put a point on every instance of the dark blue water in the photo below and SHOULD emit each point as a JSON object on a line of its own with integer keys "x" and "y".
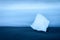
{"x": 26, "y": 33}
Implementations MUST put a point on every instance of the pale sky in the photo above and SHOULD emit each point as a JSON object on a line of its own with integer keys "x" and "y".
{"x": 14, "y": 13}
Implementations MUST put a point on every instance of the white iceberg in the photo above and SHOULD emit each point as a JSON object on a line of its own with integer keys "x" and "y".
{"x": 40, "y": 23}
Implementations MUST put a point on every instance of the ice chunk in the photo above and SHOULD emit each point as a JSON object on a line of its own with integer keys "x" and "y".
{"x": 40, "y": 23}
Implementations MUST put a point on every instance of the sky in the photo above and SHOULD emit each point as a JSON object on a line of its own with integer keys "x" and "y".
{"x": 23, "y": 12}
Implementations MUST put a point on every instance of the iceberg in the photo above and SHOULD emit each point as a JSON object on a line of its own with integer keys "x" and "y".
{"x": 40, "y": 23}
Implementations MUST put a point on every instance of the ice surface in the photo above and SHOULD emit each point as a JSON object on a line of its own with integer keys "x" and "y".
{"x": 40, "y": 23}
